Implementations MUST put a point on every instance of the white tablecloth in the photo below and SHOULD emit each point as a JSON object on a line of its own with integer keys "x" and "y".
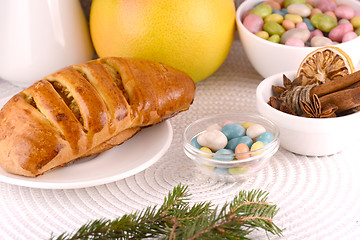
{"x": 318, "y": 197}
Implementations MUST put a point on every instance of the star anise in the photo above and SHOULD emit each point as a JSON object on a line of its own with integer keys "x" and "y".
{"x": 315, "y": 110}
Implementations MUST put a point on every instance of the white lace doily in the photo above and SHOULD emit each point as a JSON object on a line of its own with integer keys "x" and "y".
{"x": 318, "y": 197}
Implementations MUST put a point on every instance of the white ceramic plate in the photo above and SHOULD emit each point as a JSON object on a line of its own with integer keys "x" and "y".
{"x": 127, "y": 159}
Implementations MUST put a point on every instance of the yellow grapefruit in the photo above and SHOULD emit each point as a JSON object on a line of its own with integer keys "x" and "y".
{"x": 193, "y": 36}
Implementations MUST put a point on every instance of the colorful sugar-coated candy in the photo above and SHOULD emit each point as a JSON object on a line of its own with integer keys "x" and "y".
{"x": 221, "y": 171}
{"x": 246, "y": 125}
{"x": 206, "y": 150}
{"x": 255, "y": 130}
{"x": 224, "y": 155}
{"x": 256, "y": 146}
{"x": 195, "y": 143}
{"x": 213, "y": 139}
{"x": 265, "y": 138}
{"x": 233, "y": 130}
{"x": 238, "y": 170}
{"x": 325, "y": 16}
{"x": 236, "y": 141}
{"x": 240, "y": 150}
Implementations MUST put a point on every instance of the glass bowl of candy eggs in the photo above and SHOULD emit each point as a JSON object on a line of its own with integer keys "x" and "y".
{"x": 231, "y": 147}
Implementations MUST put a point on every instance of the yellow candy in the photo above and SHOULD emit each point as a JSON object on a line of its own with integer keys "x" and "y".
{"x": 206, "y": 149}
{"x": 238, "y": 170}
{"x": 274, "y": 18}
{"x": 246, "y": 125}
{"x": 263, "y": 35}
{"x": 294, "y": 18}
{"x": 355, "y": 21}
{"x": 257, "y": 145}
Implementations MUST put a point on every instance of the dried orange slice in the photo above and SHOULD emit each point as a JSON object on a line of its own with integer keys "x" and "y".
{"x": 325, "y": 64}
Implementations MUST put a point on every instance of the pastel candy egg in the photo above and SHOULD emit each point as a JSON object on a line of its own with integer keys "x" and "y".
{"x": 213, "y": 139}
{"x": 240, "y": 150}
{"x": 301, "y": 25}
{"x": 323, "y": 22}
{"x": 265, "y": 138}
{"x": 299, "y": 9}
{"x": 238, "y": 170}
{"x": 308, "y": 24}
{"x": 233, "y": 130}
{"x": 320, "y": 41}
{"x": 294, "y": 42}
{"x": 289, "y": 2}
{"x": 255, "y": 130}
{"x": 221, "y": 171}
{"x": 214, "y": 127}
{"x": 355, "y": 21}
{"x": 195, "y": 143}
{"x": 256, "y": 146}
{"x": 293, "y": 17}
{"x": 274, "y": 38}
{"x": 262, "y": 10}
{"x": 206, "y": 150}
{"x": 287, "y": 24}
{"x": 273, "y": 4}
{"x": 315, "y": 11}
{"x": 344, "y": 12}
{"x": 299, "y": 33}
{"x": 254, "y": 23}
{"x": 349, "y": 36}
{"x": 337, "y": 33}
{"x": 326, "y": 5}
{"x": 232, "y": 144}
{"x": 343, "y": 20}
{"x": 262, "y": 34}
{"x": 316, "y": 32}
{"x": 224, "y": 155}
{"x": 274, "y": 18}
{"x": 246, "y": 125}
{"x": 274, "y": 28}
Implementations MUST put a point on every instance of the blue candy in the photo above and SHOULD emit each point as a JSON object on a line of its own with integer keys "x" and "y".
{"x": 233, "y": 130}
{"x": 279, "y": 12}
{"x": 265, "y": 138}
{"x": 195, "y": 143}
{"x": 236, "y": 141}
{"x": 221, "y": 171}
{"x": 227, "y": 157}
{"x": 309, "y": 24}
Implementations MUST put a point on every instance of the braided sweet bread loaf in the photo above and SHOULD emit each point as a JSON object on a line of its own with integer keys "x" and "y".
{"x": 86, "y": 109}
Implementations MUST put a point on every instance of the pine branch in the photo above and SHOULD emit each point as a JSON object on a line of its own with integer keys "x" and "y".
{"x": 177, "y": 219}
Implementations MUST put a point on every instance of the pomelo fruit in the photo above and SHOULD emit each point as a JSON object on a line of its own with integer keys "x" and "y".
{"x": 193, "y": 36}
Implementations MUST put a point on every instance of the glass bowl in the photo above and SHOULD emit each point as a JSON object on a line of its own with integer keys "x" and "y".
{"x": 242, "y": 165}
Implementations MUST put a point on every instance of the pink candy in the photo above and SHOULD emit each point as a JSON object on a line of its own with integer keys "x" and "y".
{"x": 349, "y": 36}
{"x": 344, "y": 12}
{"x": 338, "y": 32}
{"x": 253, "y": 23}
{"x": 295, "y": 42}
{"x": 326, "y": 5}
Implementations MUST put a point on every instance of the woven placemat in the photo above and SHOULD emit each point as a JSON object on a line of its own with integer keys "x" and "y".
{"x": 317, "y": 196}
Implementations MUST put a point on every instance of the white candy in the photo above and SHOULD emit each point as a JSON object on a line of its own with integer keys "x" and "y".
{"x": 255, "y": 130}
{"x": 214, "y": 127}
{"x": 213, "y": 139}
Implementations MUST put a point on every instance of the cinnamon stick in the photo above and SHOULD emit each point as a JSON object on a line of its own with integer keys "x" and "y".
{"x": 344, "y": 99}
{"x": 336, "y": 85}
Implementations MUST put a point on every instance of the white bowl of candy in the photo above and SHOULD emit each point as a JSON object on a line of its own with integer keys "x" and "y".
{"x": 231, "y": 147}
{"x": 269, "y": 57}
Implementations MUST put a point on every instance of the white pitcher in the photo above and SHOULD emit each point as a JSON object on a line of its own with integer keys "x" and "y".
{"x": 39, "y": 37}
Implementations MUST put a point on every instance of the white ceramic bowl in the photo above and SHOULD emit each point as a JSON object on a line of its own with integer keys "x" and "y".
{"x": 307, "y": 136}
{"x": 234, "y": 170}
{"x": 269, "y": 58}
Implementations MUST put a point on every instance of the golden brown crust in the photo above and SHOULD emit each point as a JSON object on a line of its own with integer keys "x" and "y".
{"x": 85, "y": 109}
